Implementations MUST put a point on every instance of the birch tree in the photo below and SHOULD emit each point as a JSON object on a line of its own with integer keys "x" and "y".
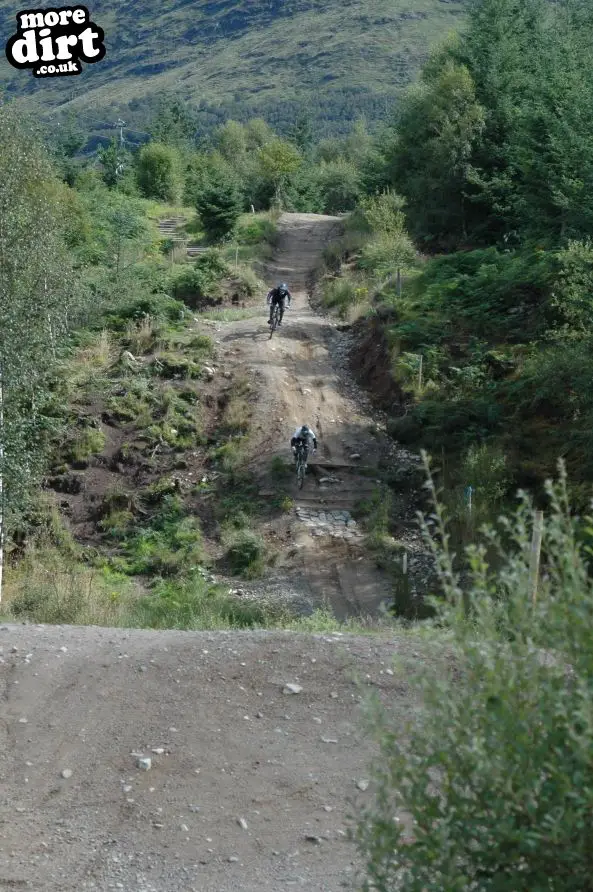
{"x": 35, "y": 296}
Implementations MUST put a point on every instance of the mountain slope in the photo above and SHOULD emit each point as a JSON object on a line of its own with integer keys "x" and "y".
{"x": 343, "y": 57}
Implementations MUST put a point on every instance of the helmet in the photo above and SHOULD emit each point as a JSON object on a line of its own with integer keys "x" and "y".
{"x": 283, "y": 286}
{"x": 305, "y": 429}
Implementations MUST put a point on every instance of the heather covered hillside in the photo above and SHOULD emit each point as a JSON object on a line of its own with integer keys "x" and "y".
{"x": 230, "y": 59}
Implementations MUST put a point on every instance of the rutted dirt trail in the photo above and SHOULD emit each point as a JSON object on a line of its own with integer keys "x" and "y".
{"x": 300, "y": 382}
{"x": 251, "y": 784}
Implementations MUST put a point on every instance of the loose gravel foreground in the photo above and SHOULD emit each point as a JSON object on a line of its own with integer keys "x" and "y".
{"x": 249, "y": 785}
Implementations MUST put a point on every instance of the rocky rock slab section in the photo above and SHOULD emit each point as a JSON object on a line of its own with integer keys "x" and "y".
{"x": 337, "y": 524}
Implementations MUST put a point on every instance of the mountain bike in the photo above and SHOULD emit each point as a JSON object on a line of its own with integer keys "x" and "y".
{"x": 275, "y": 318}
{"x": 301, "y": 463}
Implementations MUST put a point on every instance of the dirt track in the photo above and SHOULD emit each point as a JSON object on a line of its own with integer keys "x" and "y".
{"x": 287, "y": 764}
{"x": 300, "y": 380}
{"x": 234, "y": 746}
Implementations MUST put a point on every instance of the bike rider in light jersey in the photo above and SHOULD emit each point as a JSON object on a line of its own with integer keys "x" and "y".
{"x": 305, "y": 435}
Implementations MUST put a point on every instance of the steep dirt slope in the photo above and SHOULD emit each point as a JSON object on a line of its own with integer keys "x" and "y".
{"x": 302, "y": 380}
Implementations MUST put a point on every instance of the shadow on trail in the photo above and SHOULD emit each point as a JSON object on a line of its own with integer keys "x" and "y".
{"x": 288, "y": 331}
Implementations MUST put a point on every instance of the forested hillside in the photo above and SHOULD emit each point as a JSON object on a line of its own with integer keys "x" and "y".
{"x": 489, "y": 343}
{"x": 239, "y": 60}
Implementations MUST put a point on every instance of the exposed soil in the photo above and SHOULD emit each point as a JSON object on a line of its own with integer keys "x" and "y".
{"x": 230, "y": 746}
{"x": 303, "y": 377}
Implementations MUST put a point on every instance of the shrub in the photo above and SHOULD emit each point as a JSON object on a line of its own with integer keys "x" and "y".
{"x": 253, "y": 229}
{"x": 158, "y": 172}
{"x": 338, "y": 183}
{"x": 219, "y": 205}
{"x": 194, "y": 288}
{"x": 200, "y": 284}
{"x": 246, "y": 284}
{"x": 117, "y": 523}
{"x": 84, "y": 442}
{"x": 213, "y": 265}
{"x": 156, "y": 306}
{"x": 490, "y": 785}
{"x": 384, "y": 254}
{"x": 196, "y": 604}
{"x": 172, "y": 545}
{"x": 245, "y": 552}
{"x": 383, "y": 214}
{"x": 342, "y": 294}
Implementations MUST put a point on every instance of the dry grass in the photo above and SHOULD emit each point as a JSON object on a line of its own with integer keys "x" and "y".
{"x": 140, "y": 336}
{"x": 49, "y": 588}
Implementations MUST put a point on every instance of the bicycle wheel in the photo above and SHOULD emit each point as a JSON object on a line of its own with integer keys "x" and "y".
{"x": 300, "y": 473}
{"x": 275, "y": 319}
{"x": 301, "y": 467}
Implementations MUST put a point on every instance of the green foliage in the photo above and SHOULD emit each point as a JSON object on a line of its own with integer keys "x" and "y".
{"x": 342, "y": 294}
{"x": 301, "y": 133}
{"x": 493, "y": 144}
{"x": 39, "y": 304}
{"x": 386, "y": 253}
{"x": 111, "y": 157}
{"x": 339, "y": 186}
{"x": 231, "y": 141}
{"x": 245, "y": 284}
{"x": 200, "y": 283}
{"x": 196, "y": 604}
{"x": 490, "y": 293}
{"x": 438, "y": 126}
{"x": 219, "y": 204}
{"x": 383, "y": 214}
{"x": 170, "y": 546}
{"x": 117, "y": 523}
{"x": 47, "y": 588}
{"x": 84, "y": 442}
{"x": 173, "y": 124}
{"x": 255, "y": 229}
{"x": 159, "y": 307}
{"x": 158, "y": 172}
{"x": 277, "y": 161}
{"x": 491, "y": 779}
{"x": 245, "y": 552}
{"x": 572, "y": 293}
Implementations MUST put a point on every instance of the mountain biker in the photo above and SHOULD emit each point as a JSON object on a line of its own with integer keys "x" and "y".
{"x": 304, "y": 435}
{"x": 278, "y": 295}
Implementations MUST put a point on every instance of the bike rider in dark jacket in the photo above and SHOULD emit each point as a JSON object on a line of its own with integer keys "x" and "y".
{"x": 278, "y": 295}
